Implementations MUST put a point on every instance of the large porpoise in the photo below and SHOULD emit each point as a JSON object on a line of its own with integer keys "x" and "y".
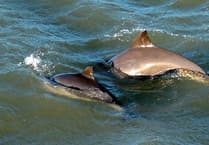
{"x": 80, "y": 85}
{"x": 144, "y": 58}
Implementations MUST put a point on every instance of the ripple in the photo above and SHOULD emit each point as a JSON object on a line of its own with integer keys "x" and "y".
{"x": 48, "y": 36}
{"x": 192, "y": 4}
{"x": 7, "y": 111}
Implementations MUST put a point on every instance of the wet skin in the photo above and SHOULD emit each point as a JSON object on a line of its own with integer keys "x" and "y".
{"x": 144, "y": 58}
{"x": 83, "y": 85}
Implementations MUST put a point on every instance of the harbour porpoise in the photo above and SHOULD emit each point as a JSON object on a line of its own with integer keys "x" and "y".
{"x": 144, "y": 58}
{"x": 80, "y": 85}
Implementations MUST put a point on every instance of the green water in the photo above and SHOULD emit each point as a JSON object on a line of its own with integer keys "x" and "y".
{"x": 45, "y": 37}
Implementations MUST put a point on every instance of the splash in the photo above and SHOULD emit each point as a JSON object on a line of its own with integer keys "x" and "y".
{"x": 37, "y": 62}
{"x": 34, "y": 61}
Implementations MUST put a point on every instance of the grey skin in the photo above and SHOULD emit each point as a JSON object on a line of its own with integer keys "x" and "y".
{"x": 144, "y": 58}
{"x": 82, "y": 85}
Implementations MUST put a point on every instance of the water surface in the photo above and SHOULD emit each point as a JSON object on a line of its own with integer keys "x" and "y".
{"x": 45, "y": 37}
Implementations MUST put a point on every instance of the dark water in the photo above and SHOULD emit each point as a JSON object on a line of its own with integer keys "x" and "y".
{"x": 44, "y": 37}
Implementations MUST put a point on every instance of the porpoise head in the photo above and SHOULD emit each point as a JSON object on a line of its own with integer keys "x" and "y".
{"x": 144, "y": 58}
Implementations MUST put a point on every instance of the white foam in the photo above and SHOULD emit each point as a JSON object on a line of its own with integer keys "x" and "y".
{"x": 123, "y": 32}
{"x": 34, "y": 61}
{"x": 38, "y": 63}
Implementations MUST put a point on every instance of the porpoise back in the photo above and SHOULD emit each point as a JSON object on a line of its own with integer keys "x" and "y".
{"x": 143, "y": 58}
{"x": 79, "y": 81}
{"x": 81, "y": 85}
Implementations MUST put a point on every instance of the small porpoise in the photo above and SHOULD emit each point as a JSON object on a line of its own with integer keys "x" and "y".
{"x": 81, "y": 85}
{"x": 144, "y": 58}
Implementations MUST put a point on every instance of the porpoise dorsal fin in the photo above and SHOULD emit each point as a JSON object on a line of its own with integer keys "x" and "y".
{"x": 142, "y": 40}
{"x": 88, "y": 72}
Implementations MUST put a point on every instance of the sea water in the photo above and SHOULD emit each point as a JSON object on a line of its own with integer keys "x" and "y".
{"x": 45, "y": 37}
